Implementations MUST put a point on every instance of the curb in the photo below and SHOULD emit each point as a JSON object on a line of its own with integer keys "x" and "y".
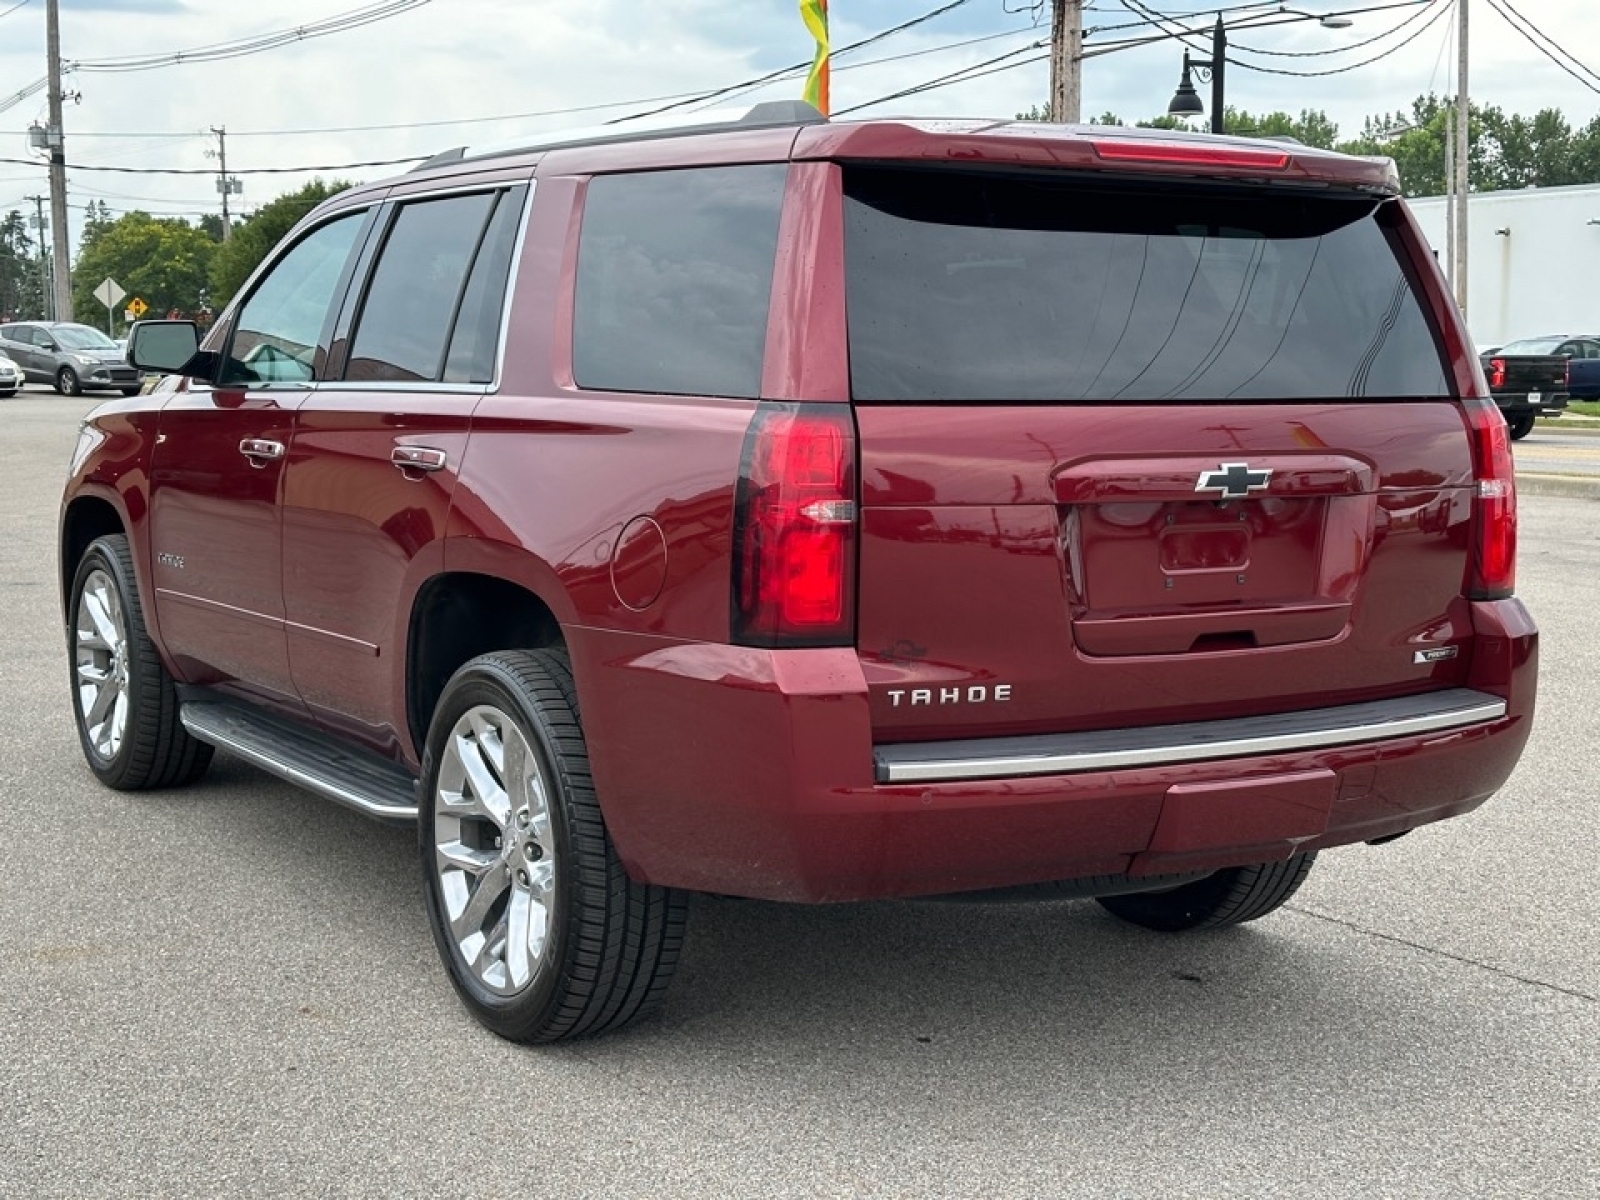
{"x": 1580, "y": 487}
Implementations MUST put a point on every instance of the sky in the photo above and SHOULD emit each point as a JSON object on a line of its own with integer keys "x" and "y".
{"x": 443, "y": 73}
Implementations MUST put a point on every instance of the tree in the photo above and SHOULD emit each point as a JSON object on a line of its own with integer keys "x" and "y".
{"x": 165, "y": 261}
{"x": 21, "y": 292}
{"x": 255, "y": 237}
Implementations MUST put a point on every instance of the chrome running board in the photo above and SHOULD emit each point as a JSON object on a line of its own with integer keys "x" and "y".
{"x": 371, "y": 785}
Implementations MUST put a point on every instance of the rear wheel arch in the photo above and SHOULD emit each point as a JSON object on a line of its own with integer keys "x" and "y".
{"x": 458, "y": 616}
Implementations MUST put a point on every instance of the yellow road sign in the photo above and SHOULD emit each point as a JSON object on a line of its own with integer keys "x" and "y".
{"x": 138, "y": 307}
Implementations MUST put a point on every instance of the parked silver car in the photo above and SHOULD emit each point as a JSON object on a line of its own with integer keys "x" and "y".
{"x": 10, "y": 377}
{"x": 72, "y": 358}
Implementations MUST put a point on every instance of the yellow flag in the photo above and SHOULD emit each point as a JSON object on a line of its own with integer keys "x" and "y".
{"x": 815, "y": 14}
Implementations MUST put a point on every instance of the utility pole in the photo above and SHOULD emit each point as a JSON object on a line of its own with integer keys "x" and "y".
{"x": 1463, "y": 179}
{"x": 58, "y": 166}
{"x": 1066, "y": 61}
{"x": 42, "y": 224}
{"x": 225, "y": 185}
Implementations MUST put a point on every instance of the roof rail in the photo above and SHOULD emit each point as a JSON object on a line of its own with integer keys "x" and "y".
{"x": 770, "y": 114}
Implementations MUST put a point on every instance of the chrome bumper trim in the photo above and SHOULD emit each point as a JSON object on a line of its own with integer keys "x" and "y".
{"x": 1197, "y": 741}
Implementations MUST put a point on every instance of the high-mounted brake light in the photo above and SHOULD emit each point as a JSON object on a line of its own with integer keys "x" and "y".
{"x": 1493, "y": 573}
{"x": 1497, "y": 372}
{"x": 795, "y": 528}
{"x": 1184, "y": 154}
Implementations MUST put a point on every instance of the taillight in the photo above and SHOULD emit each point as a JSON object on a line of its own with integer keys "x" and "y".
{"x": 1497, "y": 372}
{"x": 1566, "y": 375}
{"x": 795, "y": 528}
{"x": 1493, "y": 574}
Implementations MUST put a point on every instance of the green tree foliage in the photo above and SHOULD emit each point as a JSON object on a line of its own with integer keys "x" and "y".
{"x": 165, "y": 261}
{"x": 255, "y": 237}
{"x": 21, "y": 294}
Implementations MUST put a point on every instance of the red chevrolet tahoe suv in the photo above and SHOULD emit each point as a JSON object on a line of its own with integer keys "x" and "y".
{"x": 815, "y": 511}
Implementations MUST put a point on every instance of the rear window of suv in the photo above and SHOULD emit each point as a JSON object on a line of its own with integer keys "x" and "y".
{"x": 966, "y": 287}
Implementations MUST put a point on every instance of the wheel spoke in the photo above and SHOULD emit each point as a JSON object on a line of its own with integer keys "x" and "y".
{"x": 91, "y": 675}
{"x": 486, "y": 789}
{"x": 491, "y": 885}
{"x": 98, "y": 605}
{"x": 460, "y": 857}
{"x": 104, "y": 697}
{"x": 527, "y": 920}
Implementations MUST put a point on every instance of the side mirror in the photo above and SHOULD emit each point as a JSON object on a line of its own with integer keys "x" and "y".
{"x": 50, "y": 345}
{"x": 164, "y": 346}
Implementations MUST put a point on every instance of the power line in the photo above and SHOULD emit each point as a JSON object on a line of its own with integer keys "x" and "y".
{"x": 1367, "y": 62}
{"x": 782, "y": 71}
{"x": 1554, "y": 49}
{"x": 353, "y": 19}
{"x": 1161, "y": 21}
{"x": 377, "y": 162}
{"x": 963, "y": 76}
{"x": 14, "y": 7}
{"x": 1346, "y": 49}
{"x": 548, "y": 112}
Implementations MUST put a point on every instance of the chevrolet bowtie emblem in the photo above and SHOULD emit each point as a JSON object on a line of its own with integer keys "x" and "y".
{"x": 1233, "y": 480}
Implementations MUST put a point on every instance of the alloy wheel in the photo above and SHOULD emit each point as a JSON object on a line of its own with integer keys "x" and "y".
{"x": 494, "y": 850}
{"x": 100, "y": 656}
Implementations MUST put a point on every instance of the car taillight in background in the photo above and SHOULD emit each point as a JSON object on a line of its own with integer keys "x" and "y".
{"x": 1497, "y": 372}
{"x": 795, "y": 528}
{"x": 1493, "y": 573}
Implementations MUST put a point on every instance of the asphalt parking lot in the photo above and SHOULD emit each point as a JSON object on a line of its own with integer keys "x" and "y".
{"x": 230, "y": 990}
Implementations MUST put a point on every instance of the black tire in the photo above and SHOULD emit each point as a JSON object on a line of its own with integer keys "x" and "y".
{"x": 1228, "y": 897}
{"x": 68, "y": 383}
{"x": 153, "y": 750}
{"x": 1520, "y": 427}
{"x": 609, "y": 946}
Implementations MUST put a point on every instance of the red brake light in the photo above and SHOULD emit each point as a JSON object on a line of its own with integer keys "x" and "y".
{"x": 1497, "y": 372}
{"x": 1187, "y": 154}
{"x": 1493, "y": 574}
{"x": 795, "y": 528}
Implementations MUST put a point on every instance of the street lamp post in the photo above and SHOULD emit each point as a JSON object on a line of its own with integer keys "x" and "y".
{"x": 1186, "y": 101}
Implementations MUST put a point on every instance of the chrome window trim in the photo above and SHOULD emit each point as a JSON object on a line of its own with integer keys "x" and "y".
{"x": 1199, "y": 741}
{"x": 509, "y": 299}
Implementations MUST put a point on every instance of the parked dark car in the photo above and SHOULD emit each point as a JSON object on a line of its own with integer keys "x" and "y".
{"x": 1534, "y": 377}
{"x": 817, "y": 511}
{"x": 1582, "y": 352}
{"x": 71, "y": 358}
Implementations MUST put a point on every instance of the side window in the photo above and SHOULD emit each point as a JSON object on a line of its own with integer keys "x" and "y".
{"x": 477, "y": 332}
{"x": 277, "y": 333}
{"x": 674, "y": 279}
{"x": 410, "y": 306}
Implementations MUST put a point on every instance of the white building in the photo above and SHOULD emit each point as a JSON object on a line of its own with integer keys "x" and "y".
{"x": 1533, "y": 260}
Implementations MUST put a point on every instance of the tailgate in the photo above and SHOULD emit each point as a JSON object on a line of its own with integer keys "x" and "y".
{"x": 1141, "y": 455}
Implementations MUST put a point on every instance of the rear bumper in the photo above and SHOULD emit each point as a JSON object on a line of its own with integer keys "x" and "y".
{"x": 752, "y": 772}
{"x": 1516, "y": 404}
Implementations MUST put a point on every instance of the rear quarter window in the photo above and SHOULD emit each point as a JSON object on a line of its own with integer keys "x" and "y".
{"x": 674, "y": 279}
{"x": 967, "y": 287}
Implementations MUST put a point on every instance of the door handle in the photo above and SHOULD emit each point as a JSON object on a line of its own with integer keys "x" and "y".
{"x": 260, "y": 451}
{"x": 418, "y": 458}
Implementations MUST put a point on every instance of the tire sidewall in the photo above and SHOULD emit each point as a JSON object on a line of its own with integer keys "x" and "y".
{"x": 485, "y": 683}
{"x": 67, "y": 382}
